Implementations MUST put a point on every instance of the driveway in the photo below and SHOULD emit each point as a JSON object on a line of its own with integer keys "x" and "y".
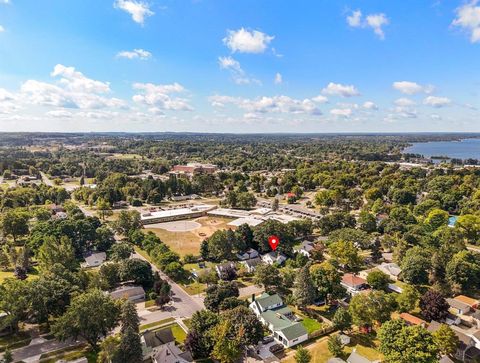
{"x": 32, "y": 352}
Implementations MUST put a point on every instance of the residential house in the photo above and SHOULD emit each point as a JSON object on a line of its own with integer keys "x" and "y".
{"x": 274, "y": 257}
{"x": 159, "y": 347}
{"x": 355, "y": 357}
{"x": 95, "y": 259}
{"x": 252, "y": 264}
{"x": 353, "y": 283}
{"x": 458, "y": 307}
{"x": 305, "y": 248}
{"x": 248, "y": 254}
{"x": 473, "y": 303}
{"x": 130, "y": 292}
{"x": 279, "y": 319}
{"x": 466, "y": 347}
{"x": 413, "y": 320}
{"x": 391, "y": 269}
{"x": 222, "y": 267}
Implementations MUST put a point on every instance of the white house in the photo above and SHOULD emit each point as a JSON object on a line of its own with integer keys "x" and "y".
{"x": 274, "y": 257}
{"x": 252, "y": 264}
{"x": 95, "y": 259}
{"x": 305, "y": 248}
{"x": 279, "y": 319}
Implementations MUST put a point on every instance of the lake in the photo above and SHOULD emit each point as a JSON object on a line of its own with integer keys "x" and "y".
{"x": 463, "y": 149}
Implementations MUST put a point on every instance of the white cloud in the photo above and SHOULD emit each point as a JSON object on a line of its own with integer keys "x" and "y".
{"x": 355, "y": 20}
{"x": 76, "y": 81}
{"x": 369, "y": 105}
{"x": 437, "y": 102}
{"x": 278, "y": 78}
{"x": 411, "y": 88}
{"x": 159, "y": 96}
{"x": 468, "y": 18}
{"x": 373, "y": 21}
{"x": 2, "y": 29}
{"x": 245, "y": 41}
{"x": 5, "y": 95}
{"x": 404, "y": 102}
{"x": 265, "y": 104}
{"x": 238, "y": 74}
{"x": 341, "y": 112}
{"x": 4, "y": 1}
{"x": 137, "y": 9}
{"x": 134, "y": 54}
{"x": 59, "y": 114}
{"x": 320, "y": 99}
{"x": 337, "y": 89}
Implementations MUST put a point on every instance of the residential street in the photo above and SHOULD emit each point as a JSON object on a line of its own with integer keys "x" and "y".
{"x": 183, "y": 305}
{"x": 31, "y": 353}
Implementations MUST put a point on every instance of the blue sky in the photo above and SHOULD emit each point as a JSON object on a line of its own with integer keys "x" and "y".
{"x": 239, "y": 65}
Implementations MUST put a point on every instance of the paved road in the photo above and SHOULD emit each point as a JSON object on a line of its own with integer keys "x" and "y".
{"x": 183, "y": 304}
{"x": 31, "y": 353}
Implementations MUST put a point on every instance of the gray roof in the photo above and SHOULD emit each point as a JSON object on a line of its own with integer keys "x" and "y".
{"x": 158, "y": 337}
{"x": 265, "y": 300}
{"x": 253, "y": 262}
{"x": 458, "y": 304}
{"x": 294, "y": 331}
{"x": 127, "y": 291}
{"x": 357, "y": 358}
{"x": 170, "y": 353}
{"x": 445, "y": 359}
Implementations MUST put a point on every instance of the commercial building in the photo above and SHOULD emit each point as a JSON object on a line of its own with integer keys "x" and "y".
{"x": 175, "y": 214}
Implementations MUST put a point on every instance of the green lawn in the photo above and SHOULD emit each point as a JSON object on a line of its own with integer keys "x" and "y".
{"x": 194, "y": 288}
{"x": 178, "y": 333}
{"x": 311, "y": 325}
{"x": 156, "y": 323}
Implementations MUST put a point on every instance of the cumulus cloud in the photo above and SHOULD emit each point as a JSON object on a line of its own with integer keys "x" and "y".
{"x": 135, "y": 54}
{"x": 76, "y": 81}
{"x": 2, "y": 29}
{"x": 341, "y": 112}
{"x": 320, "y": 99}
{"x": 468, "y": 19}
{"x": 263, "y": 105}
{"x": 374, "y": 21}
{"x": 437, "y": 102}
{"x": 369, "y": 105}
{"x": 137, "y": 9}
{"x": 160, "y": 96}
{"x": 337, "y": 89}
{"x": 246, "y": 41}
{"x": 238, "y": 74}
{"x": 411, "y": 88}
{"x": 278, "y": 78}
{"x": 404, "y": 102}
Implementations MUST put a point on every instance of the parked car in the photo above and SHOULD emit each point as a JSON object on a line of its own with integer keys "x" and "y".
{"x": 267, "y": 339}
{"x": 276, "y": 348}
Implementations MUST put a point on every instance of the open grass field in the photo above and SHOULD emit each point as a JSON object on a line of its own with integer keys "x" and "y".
{"x": 320, "y": 354}
{"x": 9, "y": 274}
{"x": 189, "y": 242}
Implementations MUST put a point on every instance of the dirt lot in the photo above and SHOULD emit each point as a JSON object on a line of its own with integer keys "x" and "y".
{"x": 189, "y": 242}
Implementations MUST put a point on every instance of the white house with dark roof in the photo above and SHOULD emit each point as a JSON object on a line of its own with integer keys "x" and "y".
{"x": 279, "y": 319}
{"x": 391, "y": 269}
{"x": 305, "y": 248}
{"x": 248, "y": 254}
{"x": 252, "y": 264}
{"x": 274, "y": 257}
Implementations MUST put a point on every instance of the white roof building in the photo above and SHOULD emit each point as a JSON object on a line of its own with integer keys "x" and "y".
{"x": 95, "y": 259}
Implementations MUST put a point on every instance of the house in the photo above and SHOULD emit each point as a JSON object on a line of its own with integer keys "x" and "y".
{"x": 120, "y": 204}
{"x": 473, "y": 303}
{"x": 305, "y": 248}
{"x": 222, "y": 267}
{"x": 391, "y": 269}
{"x": 129, "y": 292}
{"x": 279, "y": 319}
{"x": 354, "y": 357}
{"x": 413, "y": 320}
{"x": 344, "y": 339}
{"x": 95, "y": 259}
{"x": 248, "y": 254}
{"x": 466, "y": 347}
{"x": 353, "y": 284}
{"x": 159, "y": 347}
{"x": 252, "y": 264}
{"x": 458, "y": 307}
{"x": 274, "y": 257}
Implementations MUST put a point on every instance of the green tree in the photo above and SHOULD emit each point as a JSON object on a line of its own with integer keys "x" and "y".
{"x": 55, "y": 250}
{"x": 405, "y": 344}
{"x": 91, "y": 315}
{"x": 227, "y": 347}
{"x": 346, "y": 254}
{"x": 104, "y": 209}
{"x": 446, "y": 340}
{"x": 377, "y": 306}
{"x": 416, "y": 265}
{"x": 302, "y": 355}
{"x": 121, "y": 251}
{"x": 367, "y": 222}
{"x": 14, "y": 301}
{"x": 407, "y": 300}
{"x": 469, "y": 225}
{"x": 433, "y": 306}
{"x": 14, "y": 222}
{"x": 436, "y": 218}
{"x": 130, "y": 347}
{"x": 327, "y": 278}
{"x": 267, "y": 276}
{"x": 463, "y": 271}
{"x": 303, "y": 288}
{"x": 245, "y": 323}
{"x": 378, "y": 280}
{"x": 342, "y": 319}
{"x": 334, "y": 345}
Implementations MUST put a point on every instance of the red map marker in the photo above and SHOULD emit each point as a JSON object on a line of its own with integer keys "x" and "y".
{"x": 273, "y": 242}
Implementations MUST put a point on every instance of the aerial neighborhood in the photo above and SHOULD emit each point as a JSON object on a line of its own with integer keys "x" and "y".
{"x": 132, "y": 249}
